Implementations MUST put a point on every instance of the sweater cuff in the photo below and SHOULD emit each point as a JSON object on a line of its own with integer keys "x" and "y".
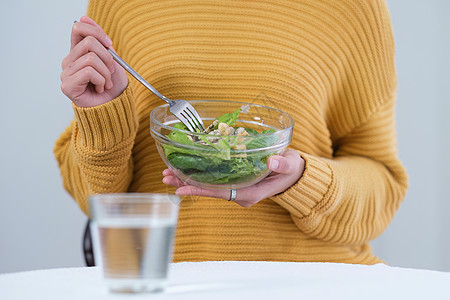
{"x": 101, "y": 127}
{"x": 309, "y": 193}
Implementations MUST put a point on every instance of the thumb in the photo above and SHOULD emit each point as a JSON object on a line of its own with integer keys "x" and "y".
{"x": 286, "y": 164}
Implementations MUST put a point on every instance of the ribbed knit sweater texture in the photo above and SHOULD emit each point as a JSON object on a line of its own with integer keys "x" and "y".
{"x": 328, "y": 63}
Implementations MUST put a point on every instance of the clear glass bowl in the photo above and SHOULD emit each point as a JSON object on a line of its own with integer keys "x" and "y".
{"x": 205, "y": 160}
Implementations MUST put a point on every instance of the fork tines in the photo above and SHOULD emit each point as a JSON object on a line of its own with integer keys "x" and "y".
{"x": 192, "y": 120}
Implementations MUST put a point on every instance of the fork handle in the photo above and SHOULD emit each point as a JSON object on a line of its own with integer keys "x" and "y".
{"x": 136, "y": 75}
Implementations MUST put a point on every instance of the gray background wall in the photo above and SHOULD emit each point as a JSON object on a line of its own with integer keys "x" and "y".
{"x": 41, "y": 226}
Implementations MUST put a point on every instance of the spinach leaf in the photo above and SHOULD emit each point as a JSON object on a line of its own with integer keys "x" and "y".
{"x": 187, "y": 161}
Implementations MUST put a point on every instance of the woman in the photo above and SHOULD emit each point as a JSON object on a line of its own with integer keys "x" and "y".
{"x": 329, "y": 64}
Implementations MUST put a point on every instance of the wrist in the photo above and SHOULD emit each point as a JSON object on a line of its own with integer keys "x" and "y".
{"x": 103, "y": 126}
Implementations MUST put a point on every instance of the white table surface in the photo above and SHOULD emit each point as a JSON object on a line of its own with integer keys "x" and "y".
{"x": 241, "y": 280}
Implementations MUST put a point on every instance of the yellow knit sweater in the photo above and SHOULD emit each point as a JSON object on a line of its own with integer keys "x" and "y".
{"x": 328, "y": 63}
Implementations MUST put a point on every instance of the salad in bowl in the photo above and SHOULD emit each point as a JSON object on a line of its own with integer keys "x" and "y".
{"x": 232, "y": 152}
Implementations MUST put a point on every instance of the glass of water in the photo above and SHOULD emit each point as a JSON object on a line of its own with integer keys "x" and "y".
{"x": 133, "y": 236}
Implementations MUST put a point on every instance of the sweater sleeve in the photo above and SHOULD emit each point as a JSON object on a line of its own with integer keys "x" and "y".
{"x": 351, "y": 197}
{"x": 94, "y": 153}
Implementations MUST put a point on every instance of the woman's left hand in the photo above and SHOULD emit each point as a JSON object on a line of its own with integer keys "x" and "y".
{"x": 286, "y": 170}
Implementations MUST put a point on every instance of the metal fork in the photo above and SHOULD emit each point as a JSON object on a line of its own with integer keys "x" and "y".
{"x": 181, "y": 109}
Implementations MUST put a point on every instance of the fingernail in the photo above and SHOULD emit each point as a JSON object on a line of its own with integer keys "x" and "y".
{"x": 273, "y": 164}
{"x": 112, "y": 69}
{"x": 108, "y": 41}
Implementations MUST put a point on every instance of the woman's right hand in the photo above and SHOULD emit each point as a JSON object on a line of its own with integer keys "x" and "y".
{"x": 90, "y": 76}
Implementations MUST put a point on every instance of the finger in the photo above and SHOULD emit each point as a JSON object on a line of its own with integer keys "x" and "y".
{"x": 273, "y": 184}
{"x": 287, "y": 164}
{"x": 173, "y": 181}
{"x": 244, "y": 197}
{"x": 75, "y": 85}
{"x": 87, "y": 45}
{"x": 86, "y": 19}
{"x": 189, "y": 190}
{"x": 168, "y": 172}
{"x": 90, "y": 60}
{"x": 81, "y": 30}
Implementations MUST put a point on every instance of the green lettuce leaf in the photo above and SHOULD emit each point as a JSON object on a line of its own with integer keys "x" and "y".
{"x": 213, "y": 162}
{"x": 229, "y": 119}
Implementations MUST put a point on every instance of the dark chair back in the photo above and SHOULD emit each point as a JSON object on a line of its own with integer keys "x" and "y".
{"x": 87, "y": 246}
